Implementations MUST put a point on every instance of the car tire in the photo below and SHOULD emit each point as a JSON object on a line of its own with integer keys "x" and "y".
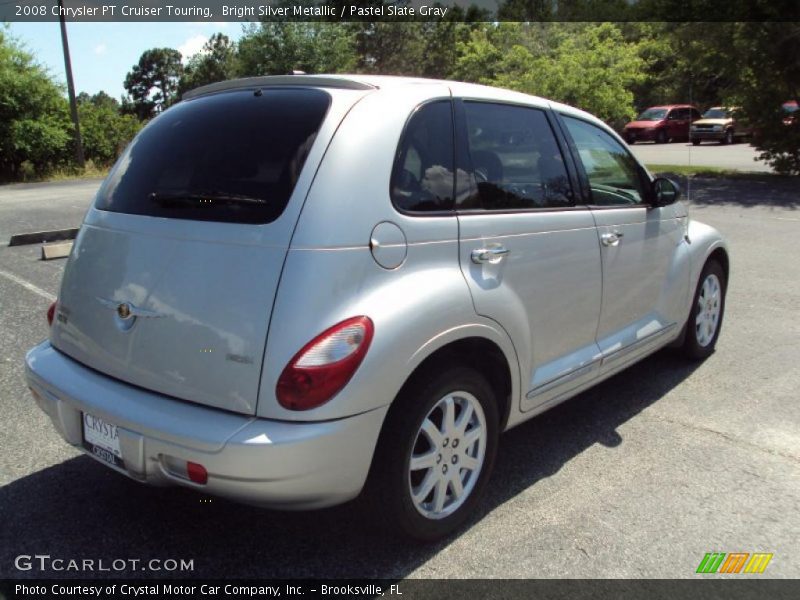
{"x": 419, "y": 451}
{"x": 630, "y": 139}
{"x": 695, "y": 142}
{"x": 728, "y": 139}
{"x": 661, "y": 137}
{"x": 708, "y": 308}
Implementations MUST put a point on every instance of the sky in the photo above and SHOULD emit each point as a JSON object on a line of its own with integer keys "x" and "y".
{"x": 103, "y": 53}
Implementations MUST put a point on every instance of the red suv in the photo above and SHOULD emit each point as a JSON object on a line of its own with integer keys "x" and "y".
{"x": 662, "y": 124}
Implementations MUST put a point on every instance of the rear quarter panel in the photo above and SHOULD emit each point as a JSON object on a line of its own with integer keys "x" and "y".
{"x": 330, "y": 273}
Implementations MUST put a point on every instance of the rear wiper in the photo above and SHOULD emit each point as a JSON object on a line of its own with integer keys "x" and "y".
{"x": 176, "y": 199}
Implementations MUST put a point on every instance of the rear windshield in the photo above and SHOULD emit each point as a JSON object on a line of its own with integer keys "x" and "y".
{"x": 233, "y": 157}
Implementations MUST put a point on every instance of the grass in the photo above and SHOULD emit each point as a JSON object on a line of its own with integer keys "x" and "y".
{"x": 713, "y": 172}
{"x": 91, "y": 171}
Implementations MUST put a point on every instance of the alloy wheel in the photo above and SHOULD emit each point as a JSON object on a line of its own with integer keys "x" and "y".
{"x": 447, "y": 455}
{"x": 708, "y": 310}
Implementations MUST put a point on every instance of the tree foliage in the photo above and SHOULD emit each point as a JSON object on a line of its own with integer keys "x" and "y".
{"x": 34, "y": 116}
{"x": 279, "y": 48}
{"x": 590, "y": 66}
{"x": 217, "y": 61}
{"x": 104, "y": 129}
{"x": 153, "y": 82}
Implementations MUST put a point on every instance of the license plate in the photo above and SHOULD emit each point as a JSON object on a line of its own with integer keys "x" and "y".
{"x": 102, "y": 439}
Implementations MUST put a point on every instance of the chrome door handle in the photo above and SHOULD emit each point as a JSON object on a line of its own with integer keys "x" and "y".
{"x": 611, "y": 239}
{"x": 491, "y": 255}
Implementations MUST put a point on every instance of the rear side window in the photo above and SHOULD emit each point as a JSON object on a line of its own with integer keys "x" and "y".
{"x": 422, "y": 176}
{"x": 232, "y": 157}
{"x": 516, "y": 161}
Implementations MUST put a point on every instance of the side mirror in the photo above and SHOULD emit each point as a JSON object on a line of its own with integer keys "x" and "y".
{"x": 665, "y": 191}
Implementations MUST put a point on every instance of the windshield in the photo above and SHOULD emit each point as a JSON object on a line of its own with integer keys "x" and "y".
{"x": 716, "y": 113}
{"x": 233, "y": 157}
{"x": 653, "y": 114}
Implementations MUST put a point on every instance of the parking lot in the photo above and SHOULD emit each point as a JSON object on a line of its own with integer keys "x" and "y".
{"x": 637, "y": 478}
{"x": 739, "y": 156}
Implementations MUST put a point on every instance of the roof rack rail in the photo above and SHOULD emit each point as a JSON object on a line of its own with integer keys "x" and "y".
{"x": 277, "y": 80}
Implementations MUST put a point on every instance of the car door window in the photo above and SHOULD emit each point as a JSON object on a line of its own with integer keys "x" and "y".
{"x": 614, "y": 176}
{"x": 516, "y": 161}
{"x": 422, "y": 177}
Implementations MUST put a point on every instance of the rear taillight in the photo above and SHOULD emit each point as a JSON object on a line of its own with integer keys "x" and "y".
{"x": 324, "y": 365}
{"x": 197, "y": 473}
{"x": 51, "y": 313}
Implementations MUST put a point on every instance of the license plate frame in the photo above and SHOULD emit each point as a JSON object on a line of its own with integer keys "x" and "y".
{"x": 101, "y": 439}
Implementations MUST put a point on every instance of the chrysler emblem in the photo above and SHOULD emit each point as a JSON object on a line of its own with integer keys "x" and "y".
{"x": 124, "y": 310}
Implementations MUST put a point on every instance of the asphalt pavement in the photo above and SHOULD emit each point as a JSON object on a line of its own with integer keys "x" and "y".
{"x": 737, "y": 157}
{"x": 638, "y": 477}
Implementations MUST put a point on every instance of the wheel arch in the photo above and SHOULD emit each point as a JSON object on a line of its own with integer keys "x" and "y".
{"x": 478, "y": 353}
{"x": 721, "y": 256}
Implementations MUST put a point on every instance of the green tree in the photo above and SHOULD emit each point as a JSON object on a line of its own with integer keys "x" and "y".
{"x": 768, "y": 60}
{"x": 34, "y": 115}
{"x": 279, "y": 48}
{"x": 153, "y": 82}
{"x": 217, "y": 61}
{"x": 590, "y": 66}
{"x": 105, "y": 131}
{"x": 593, "y": 70}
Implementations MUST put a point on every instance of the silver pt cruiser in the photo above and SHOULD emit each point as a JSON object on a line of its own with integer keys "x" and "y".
{"x": 290, "y": 289}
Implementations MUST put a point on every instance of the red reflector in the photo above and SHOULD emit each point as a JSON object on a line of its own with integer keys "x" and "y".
{"x": 324, "y": 365}
{"x": 51, "y": 313}
{"x": 197, "y": 473}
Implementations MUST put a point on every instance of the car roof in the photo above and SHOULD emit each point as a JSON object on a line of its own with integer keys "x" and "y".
{"x": 377, "y": 82}
{"x": 343, "y": 81}
{"x": 668, "y": 106}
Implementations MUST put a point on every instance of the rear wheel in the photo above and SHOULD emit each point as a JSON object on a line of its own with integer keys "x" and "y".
{"x": 436, "y": 453}
{"x": 705, "y": 320}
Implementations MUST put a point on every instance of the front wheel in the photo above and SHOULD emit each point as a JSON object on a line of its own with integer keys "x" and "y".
{"x": 705, "y": 320}
{"x": 661, "y": 137}
{"x": 695, "y": 142}
{"x": 728, "y": 139}
{"x": 436, "y": 453}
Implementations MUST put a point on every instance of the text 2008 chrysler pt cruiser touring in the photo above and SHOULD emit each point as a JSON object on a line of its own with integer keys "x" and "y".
{"x": 290, "y": 288}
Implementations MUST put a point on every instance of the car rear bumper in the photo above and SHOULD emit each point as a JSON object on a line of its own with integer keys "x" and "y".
{"x": 257, "y": 461}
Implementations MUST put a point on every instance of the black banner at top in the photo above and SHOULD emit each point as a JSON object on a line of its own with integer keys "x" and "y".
{"x": 399, "y": 10}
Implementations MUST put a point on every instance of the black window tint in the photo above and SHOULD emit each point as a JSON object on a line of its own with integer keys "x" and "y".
{"x": 516, "y": 161}
{"x": 232, "y": 157}
{"x": 614, "y": 176}
{"x": 422, "y": 177}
